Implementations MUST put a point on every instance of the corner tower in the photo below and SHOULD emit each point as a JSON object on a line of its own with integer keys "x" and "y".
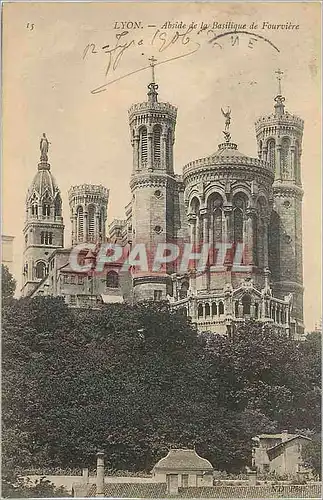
{"x": 279, "y": 138}
{"x": 88, "y": 206}
{"x": 153, "y": 185}
{"x": 44, "y": 228}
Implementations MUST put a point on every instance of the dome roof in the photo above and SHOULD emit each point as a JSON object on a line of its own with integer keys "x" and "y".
{"x": 227, "y": 156}
{"x": 228, "y": 149}
{"x": 183, "y": 459}
{"x": 43, "y": 182}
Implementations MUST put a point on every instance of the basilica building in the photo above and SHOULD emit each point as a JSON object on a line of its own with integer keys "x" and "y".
{"x": 248, "y": 211}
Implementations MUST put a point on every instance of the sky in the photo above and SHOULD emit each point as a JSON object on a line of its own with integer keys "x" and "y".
{"x": 53, "y": 62}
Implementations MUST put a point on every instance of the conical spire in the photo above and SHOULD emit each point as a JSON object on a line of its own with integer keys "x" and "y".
{"x": 152, "y": 87}
{"x": 279, "y": 99}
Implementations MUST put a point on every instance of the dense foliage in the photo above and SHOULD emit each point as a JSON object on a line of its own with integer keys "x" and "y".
{"x": 8, "y": 284}
{"x": 312, "y": 454}
{"x": 138, "y": 380}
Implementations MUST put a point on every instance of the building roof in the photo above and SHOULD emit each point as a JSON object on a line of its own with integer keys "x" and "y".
{"x": 183, "y": 459}
{"x": 43, "y": 181}
{"x": 228, "y": 149}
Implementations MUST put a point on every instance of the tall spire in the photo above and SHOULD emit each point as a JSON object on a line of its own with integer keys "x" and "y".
{"x": 279, "y": 99}
{"x": 44, "y": 146}
{"x": 152, "y": 87}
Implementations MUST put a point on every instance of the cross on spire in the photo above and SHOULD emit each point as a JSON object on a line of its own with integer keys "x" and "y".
{"x": 152, "y": 61}
{"x": 279, "y": 74}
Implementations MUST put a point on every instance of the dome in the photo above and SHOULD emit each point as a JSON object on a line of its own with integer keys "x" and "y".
{"x": 43, "y": 182}
{"x": 183, "y": 459}
{"x": 228, "y": 149}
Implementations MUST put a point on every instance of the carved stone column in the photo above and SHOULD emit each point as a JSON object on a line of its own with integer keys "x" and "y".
{"x": 163, "y": 159}
{"x": 74, "y": 228}
{"x": 205, "y": 225}
{"x": 278, "y": 161}
{"x": 265, "y": 240}
{"x": 192, "y": 222}
{"x": 248, "y": 236}
{"x": 293, "y": 174}
{"x": 85, "y": 226}
{"x": 97, "y": 227}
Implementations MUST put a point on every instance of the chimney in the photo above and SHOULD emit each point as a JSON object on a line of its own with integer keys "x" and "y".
{"x": 172, "y": 484}
{"x": 85, "y": 475}
{"x": 100, "y": 474}
{"x": 284, "y": 434}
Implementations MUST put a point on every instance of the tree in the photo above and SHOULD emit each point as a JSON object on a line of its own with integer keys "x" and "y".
{"x": 8, "y": 283}
{"x": 312, "y": 454}
{"x": 136, "y": 380}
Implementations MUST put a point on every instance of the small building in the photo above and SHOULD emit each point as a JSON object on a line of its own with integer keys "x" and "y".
{"x": 187, "y": 465}
{"x": 280, "y": 454}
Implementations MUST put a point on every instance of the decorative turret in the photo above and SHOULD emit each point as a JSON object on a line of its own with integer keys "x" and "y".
{"x": 44, "y": 228}
{"x": 88, "y": 205}
{"x": 152, "y": 127}
{"x": 279, "y": 138}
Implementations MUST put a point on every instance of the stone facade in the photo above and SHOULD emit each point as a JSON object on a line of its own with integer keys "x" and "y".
{"x": 7, "y": 251}
{"x": 247, "y": 210}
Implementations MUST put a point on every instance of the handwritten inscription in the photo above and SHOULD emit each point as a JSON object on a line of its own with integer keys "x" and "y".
{"x": 183, "y": 43}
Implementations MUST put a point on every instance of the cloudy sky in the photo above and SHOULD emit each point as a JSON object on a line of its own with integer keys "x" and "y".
{"x": 49, "y": 77}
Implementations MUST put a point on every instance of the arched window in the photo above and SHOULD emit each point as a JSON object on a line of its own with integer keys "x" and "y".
{"x": 42, "y": 237}
{"x": 200, "y": 311}
{"x": 237, "y": 225}
{"x": 34, "y": 210}
{"x": 215, "y": 222}
{"x": 40, "y": 270}
{"x": 221, "y": 308}
{"x": 183, "y": 290}
{"x": 79, "y": 223}
{"x": 246, "y": 303}
{"x": 157, "y": 131}
{"x": 143, "y": 145}
{"x": 214, "y": 309}
{"x": 271, "y": 146}
{"x": 112, "y": 279}
{"x": 285, "y": 158}
{"x": 169, "y": 149}
{"x": 101, "y": 222}
{"x": 58, "y": 206}
{"x": 297, "y": 163}
{"x": 46, "y": 208}
{"x": 207, "y": 310}
{"x": 239, "y": 208}
{"x": 91, "y": 219}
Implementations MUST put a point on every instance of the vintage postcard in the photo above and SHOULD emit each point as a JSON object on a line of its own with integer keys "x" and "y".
{"x": 161, "y": 249}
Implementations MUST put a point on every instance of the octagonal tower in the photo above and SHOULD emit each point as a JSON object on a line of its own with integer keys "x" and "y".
{"x": 279, "y": 137}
